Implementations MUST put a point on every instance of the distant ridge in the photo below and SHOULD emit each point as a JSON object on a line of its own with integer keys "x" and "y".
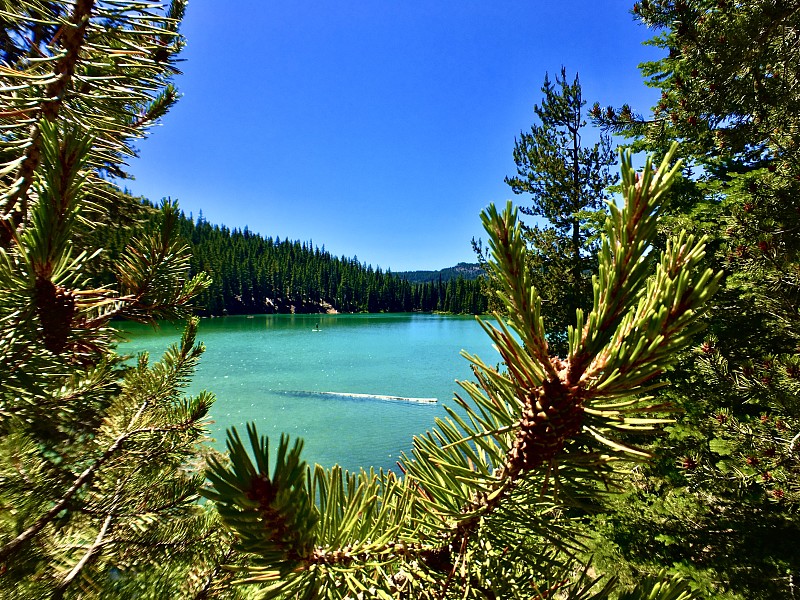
{"x": 466, "y": 270}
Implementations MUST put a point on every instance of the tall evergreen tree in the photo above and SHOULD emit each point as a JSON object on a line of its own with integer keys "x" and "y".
{"x": 568, "y": 183}
{"x": 722, "y": 504}
{"x": 99, "y": 462}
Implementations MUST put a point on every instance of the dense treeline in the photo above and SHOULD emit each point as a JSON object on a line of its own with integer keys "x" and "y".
{"x": 253, "y": 274}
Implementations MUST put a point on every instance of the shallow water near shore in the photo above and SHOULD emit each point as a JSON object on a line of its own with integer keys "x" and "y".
{"x": 337, "y": 381}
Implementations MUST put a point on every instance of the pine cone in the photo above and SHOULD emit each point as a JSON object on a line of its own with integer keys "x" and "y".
{"x": 552, "y": 416}
{"x": 56, "y": 307}
{"x": 439, "y": 559}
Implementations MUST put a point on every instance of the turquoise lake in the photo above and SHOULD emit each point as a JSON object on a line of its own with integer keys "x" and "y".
{"x": 272, "y": 369}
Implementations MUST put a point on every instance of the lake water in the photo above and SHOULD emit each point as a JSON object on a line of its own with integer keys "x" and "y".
{"x": 272, "y": 369}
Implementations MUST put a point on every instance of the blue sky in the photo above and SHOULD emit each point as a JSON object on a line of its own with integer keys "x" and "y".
{"x": 376, "y": 128}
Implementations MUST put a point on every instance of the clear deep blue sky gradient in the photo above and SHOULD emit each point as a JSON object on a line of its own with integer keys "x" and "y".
{"x": 377, "y": 128}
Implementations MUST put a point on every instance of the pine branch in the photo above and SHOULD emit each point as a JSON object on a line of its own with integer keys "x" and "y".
{"x": 14, "y": 545}
{"x": 72, "y": 41}
{"x": 106, "y": 70}
{"x": 553, "y": 406}
{"x": 206, "y": 591}
{"x": 178, "y": 363}
{"x": 152, "y": 275}
{"x": 553, "y": 401}
{"x": 90, "y": 552}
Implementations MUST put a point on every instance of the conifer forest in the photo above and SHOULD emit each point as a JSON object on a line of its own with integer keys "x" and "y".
{"x": 639, "y": 438}
{"x": 251, "y": 274}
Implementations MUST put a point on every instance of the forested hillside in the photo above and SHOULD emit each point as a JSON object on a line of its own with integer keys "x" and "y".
{"x": 253, "y": 274}
{"x": 465, "y": 270}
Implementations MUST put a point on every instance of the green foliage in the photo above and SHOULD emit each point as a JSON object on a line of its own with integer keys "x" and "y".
{"x": 308, "y": 529}
{"x": 562, "y": 176}
{"x": 113, "y": 63}
{"x": 504, "y": 475}
{"x": 152, "y": 270}
{"x": 728, "y": 81}
{"x": 99, "y": 69}
{"x": 100, "y": 461}
{"x": 97, "y": 458}
{"x": 720, "y": 505}
{"x": 659, "y": 586}
{"x": 276, "y": 505}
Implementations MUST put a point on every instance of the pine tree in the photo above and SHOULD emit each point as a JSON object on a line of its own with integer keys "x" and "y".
{"x": 103, "y": 68}
{"x": 100, "y": 461}
{"x": 568, "y": 184}
{"x": 721, "y": 504}
{"x": 487, "y": 503}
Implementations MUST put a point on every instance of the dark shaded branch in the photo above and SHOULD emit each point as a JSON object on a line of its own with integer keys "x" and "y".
{"x": 14, "y": 545}
{"x": 89, "y": 554}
